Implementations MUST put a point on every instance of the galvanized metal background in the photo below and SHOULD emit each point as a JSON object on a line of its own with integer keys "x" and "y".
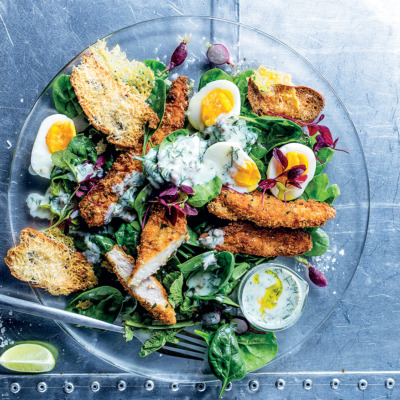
{"x": 355, "y": 45}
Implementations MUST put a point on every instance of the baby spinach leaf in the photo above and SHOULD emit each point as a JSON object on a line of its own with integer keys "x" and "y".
{"x": 129, "y": 305}
{"x": 175, "y": 292}
{"x": 276, "y": 131}
{"x": 105, "y": 244}
{"x": 127, "y": 238}
{"x": 83, "y": 147}
{"x": 65, "y": 159}
{"x": 242, "y": 84}
{"x": 157, "y": 340}
{"x": 104, "y": 303}
{"x": 188, "y": 307}
{"x": 212, "y": 75}
{"x": 172, "y": 137}
{"x": 193, "y": 264}
{"x": 158, "y": 68}
{"x": 64, "y": 97}
{"x": 170, "y": 279}
{"x": 318, "y": 189}
{"x": 141, "y": 202}
{"x": 257, "y": 349}
{"x": 320, "y": 241}
{"x": 258, "y": 151}
{"x": 205, "y": 192}
{"x": 207, "y": 336}
{"x": 193, "y": 238}
{"x": 224, "y": 356}
{"x": 157, "y": 100}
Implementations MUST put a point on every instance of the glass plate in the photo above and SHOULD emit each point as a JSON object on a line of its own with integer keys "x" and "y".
{"x": 249, "y": 48}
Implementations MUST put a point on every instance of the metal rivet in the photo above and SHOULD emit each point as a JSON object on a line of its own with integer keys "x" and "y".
{"x": 121, "y": 386}
{"x": 362, "y": 384}
{"x": 149, "y": 385}
{"x": 335, "y": 383}
{"x": 174, "y": 387}
{"x": 41, "y": 387}
{"x": 228, "y": 387}
{"x": 389, "y": 383}
{"x": 201, "y": 387}
{"x": 95, "y": 386}
{"x": 280, "y": 384}
{"x": 68, "y": 387}
{"x": 254, "y": 385}
{"x": 15, "y": 387}
{"x": 307, "y": 384}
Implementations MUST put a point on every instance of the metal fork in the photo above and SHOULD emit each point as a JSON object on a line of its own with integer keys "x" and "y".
{"x": 193, "y": 350}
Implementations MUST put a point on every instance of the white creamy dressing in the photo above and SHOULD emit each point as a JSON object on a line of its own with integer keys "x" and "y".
{"x": 208, "y": 260}
{"x": 133, "y": 179}
{"x": 84, "y": 170}
{"x": 34, "y": 200}
{"x": 273, "y": 297}
{"x": 181, "y": 162}
{"x": 93, "y": 253}
{"x": 215, "y": 238}
{"x": 204, "y": 283}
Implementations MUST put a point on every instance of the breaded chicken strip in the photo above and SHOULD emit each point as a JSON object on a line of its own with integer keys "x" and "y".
{"x": 150, "y": 293}
{"x": 97, "y": 208}
{"x": 246, "y": 238}
{"x": 158, "y": 241}
{"x": 110, "y": 105}
{"x": 272, "y": 213}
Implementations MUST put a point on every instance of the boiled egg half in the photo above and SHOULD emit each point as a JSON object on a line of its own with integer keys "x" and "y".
{"x": 296, "y": 154}
{"x": 233, "y": 166}
{"x": 55, "y": 132}
{"x": 215, "y": 98}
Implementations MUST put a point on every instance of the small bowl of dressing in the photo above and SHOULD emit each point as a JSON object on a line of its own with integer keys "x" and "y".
{"x": 272, "y": 297}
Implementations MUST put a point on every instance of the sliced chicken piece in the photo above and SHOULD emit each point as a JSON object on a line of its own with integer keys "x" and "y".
{"x": 150, "y": 293}
{"x": 159, "y": 241}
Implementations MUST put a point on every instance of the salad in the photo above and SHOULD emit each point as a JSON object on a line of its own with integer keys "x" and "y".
{"x": 166, "y": 195}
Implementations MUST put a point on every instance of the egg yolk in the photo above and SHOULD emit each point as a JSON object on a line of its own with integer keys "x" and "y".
{"x": 59, "y": 135}
{"x": 247, "y": 175}
{"x": 218, "y": 101}
{"x": 294, "y": 158}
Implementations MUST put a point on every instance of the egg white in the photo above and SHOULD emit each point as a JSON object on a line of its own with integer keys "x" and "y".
{"x": 41, "y": 162}
{"x": 219, "y": 157}
{"x": 273, "y": 165}
{"x": 194, "y": 109}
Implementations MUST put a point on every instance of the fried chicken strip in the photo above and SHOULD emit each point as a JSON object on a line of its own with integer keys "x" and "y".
{"x": 272, "y": 212}
{"x": 158, "y": 241}
{"x": 150, "y": 293}
{"x": 98, "y": 207}
{"x": 246, "y": 238}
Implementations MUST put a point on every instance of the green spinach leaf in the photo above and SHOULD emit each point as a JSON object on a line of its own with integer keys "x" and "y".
{"x": 157, "y": 340}
{"x": 128, "y": 239}
{"x": 141, "y": 202}
{"x": 224, "y": 356}
{"x": 105, "y": 244}
{"x": 175, "y": 292}
{"x": 207, "y": 336}
{"x": 64, "y": 97}
{"x": 157, "y": 99}
{"x": 206, "y": 192}
{"x": 242, "y": 84}
{"x": 318, "y": 189}
{"x": 320, "y": 241}
{"x": 212, "y": 75}
{"x": 158, "y": 68}
{"x": 256, "y": 349}
{"x": 83, "y": 147}
{"x": 194, "y": 263}
{"x": 104, "y": 303}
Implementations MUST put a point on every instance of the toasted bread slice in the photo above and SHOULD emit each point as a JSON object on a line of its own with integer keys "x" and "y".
{"x": 298, "y": 102}
{"x": 150, "y": 293}
{"x": 110, "y": 105}
{"x": 50, "y": 262}
{"x": 158, "y": 241}
{"x": 246, "y": 238}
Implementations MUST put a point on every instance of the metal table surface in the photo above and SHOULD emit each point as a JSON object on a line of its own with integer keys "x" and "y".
{"x": 355, "y": 45}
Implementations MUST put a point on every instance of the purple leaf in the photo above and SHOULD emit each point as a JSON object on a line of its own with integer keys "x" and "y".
{"x": 100, "y": 161}
{"x": 186, "y": 189}
{"x": 189, "y": 210}
{"x": 296, "y": 171}
{"x": 280, "y": 157}
{"x": 317, "y": 277}
{"x": 79, "y": 193}
{"x": 145, "y": 215}
{"x": 169, "y": 192}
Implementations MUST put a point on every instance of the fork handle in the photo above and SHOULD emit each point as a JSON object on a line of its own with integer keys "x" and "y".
{"x": 39, "y": 310}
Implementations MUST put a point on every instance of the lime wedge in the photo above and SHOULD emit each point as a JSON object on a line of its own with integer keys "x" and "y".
{"x": 28, "y": 357}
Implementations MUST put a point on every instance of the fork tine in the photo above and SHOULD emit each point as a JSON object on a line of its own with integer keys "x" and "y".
{"x": 190, "y": 342}
{"x": 179, "y": 346}
{"x": 178, "y": 354}
{"x": 190, "y": 334}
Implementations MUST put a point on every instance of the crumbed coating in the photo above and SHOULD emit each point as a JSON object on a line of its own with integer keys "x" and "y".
{"x": 162, "y": 311}
{"x": 48, "y": 263}
{"x": 110, "y": 105}
{"x": 159, "y": 235}
{"x": 309, "y": 103}
{"x": 93, "y": 208}
{"x": 246, "y": 238}
{"x": 272, "y": 212}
